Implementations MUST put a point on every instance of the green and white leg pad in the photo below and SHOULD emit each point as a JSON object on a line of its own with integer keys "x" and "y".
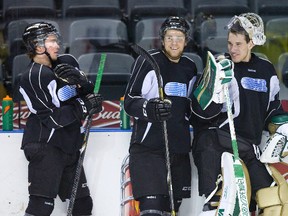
{"x": 228, "y": 204}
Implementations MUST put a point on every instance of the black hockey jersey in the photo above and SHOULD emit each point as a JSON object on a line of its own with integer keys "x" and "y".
{"x": 178, "y": 79}
{"x": 53, "y": 117}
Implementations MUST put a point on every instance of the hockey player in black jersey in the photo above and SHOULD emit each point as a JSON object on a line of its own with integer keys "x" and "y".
{"x": 253, "y": 92}
{"x": 142, "y": 101}
{"x": 59, "y": 97}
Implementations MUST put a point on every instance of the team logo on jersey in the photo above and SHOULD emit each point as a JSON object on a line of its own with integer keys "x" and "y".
{"x": 66, "y": 92}
{"x": 176, "y": 89}
{"x": 254, "y": 84}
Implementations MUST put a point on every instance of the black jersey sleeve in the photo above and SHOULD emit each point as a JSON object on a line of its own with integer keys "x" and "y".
{"x": 141, "y": 87}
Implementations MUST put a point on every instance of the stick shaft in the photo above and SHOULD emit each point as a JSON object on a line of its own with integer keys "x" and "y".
{"x": 238, "y": 169}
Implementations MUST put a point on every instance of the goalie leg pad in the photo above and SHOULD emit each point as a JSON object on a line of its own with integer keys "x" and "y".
{"x": 228, "y": 193}
{"x": 228, "y": 203}
{"x": 274, "y": 200}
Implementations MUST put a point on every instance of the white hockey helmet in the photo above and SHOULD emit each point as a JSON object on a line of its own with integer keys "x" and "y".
{"x": 253, "y": 25}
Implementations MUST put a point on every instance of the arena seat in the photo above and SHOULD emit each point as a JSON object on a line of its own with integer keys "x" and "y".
{"x": 116, "y": 73}
{"x": 91, "y": 8}
{"x": 15, "y": 9}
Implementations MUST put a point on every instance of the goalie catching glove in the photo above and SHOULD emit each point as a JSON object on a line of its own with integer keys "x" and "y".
{"x": 216, "y": 74}
{"x": 89, "y": 105}
{"x": 276, "y": 147}
{"x": 70, "y": 75}
{"x": 157, "y": 110}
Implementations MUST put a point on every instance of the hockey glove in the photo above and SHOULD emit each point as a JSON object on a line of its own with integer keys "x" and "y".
{"x": 283, "y": 129}
{"x": 224, "y": 75}
{"x": 89, "y": 104}
{"x": 70, "y": 75}
{"x": 157, "y": 110}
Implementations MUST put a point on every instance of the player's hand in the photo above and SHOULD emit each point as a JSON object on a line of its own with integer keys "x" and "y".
{"x": 224, "y": 75}
{"x": 89, "y": 105}
{"x": 70, "y": 74}
{"x": 156, "y": 109}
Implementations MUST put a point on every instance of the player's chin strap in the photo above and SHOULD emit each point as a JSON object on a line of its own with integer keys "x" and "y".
{"x": 47, "y": 54}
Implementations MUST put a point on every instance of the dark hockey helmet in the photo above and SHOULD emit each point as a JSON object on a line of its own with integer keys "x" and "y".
{"x": 35, "y": 34}
{"x": 177, "y": 23}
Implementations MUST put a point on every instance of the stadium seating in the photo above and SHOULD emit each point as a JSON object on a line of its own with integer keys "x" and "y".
{"x": 15, "y": 9}
{"x": 91, "y": 8}
{"x": 20, "y": 62}
{"x": 100, "y": 33}
{"x": 277, "y": 38}
{"x": 136, "y": 10}
{"x": 219, "y": 8}
{"x": 116, "y": 73}
{"x": 269, "y": 9}
{"x": 197, "y": 59}
{"x": 13, "y": 37}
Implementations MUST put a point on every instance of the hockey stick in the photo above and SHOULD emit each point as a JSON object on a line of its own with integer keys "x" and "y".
{"x": 87, "y": 123}
{"x": 139, "y": 50}
{"x": 238, "y": 169}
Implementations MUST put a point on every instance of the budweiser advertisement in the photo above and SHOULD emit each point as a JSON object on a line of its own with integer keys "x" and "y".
{"x": 109, "y": 117}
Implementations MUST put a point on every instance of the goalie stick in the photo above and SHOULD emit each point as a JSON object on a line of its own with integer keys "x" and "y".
{"x": 142, "y": 52}
{"x": 87, "y": 125}
{"x": 238, "y": 169}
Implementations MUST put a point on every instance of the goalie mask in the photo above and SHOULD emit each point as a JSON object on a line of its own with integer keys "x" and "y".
{"x": 253, "y": 25}
{"x": 176, "y": 23}
{"x": 35, "y": 35}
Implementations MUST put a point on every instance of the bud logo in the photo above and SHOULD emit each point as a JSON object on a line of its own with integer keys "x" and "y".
{"x": 109, "y": 117}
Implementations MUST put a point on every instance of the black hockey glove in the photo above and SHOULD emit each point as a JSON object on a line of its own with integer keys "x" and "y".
{"x": 88, "y": 105}
{"x": 157, "y": 110}
{"x": 70, "y": 75}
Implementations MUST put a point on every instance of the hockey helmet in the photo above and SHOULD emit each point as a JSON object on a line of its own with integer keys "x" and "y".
{"x": 35, "y": 34}
{"x": 253, "y": 25}
{"x": 177, "y": 23}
